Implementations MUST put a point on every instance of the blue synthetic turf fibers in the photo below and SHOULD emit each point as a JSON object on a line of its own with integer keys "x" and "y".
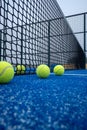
{"x": 55, "y": 103}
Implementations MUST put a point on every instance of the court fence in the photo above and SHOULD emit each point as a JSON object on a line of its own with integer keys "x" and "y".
{"x": 36, "y": 32}
{"x": 78, "y": 23}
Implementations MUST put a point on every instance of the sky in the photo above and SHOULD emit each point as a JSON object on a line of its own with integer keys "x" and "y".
{"x": 70, "y": 7}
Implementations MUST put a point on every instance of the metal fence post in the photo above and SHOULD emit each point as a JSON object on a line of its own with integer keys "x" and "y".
{"x": 84, "y": 32}
{"x": 21, "y": 45}
{"x": 85, "y": 36}
{"x": 0, "y": 43}
{"x": 49, "y": 43}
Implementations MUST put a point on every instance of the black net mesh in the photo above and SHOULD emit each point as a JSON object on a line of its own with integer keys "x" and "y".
{"x": 34, "y": 32}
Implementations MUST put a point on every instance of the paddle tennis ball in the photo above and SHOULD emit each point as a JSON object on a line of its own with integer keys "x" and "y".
{"x": 58, "y": 70}
{"x": 6, "y": 72}
{"x": 20, "y": 69}
{"x": 43, "y": 71}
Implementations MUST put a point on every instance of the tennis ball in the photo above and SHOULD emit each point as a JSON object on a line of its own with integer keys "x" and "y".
{"x": 43, "y": 71}
{"x": 6, "y": 72}
{"x": 58, "y": 70}
{"x": 20, "y": 69}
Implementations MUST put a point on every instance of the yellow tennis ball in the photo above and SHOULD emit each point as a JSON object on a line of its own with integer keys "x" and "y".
{"x": 20, "y": 69}
{"x": 43, "y": 71}
{"x": 58, "y": 70}
{"x": 6, "y": 72}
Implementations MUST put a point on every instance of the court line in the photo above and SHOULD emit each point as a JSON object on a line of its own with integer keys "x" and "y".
{"x": 76, "y": 74}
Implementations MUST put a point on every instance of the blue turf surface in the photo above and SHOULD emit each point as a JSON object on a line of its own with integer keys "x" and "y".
{"x": 55, "y": 103}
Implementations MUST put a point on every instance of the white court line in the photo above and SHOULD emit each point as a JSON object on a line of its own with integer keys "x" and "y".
{"x": 76, "y": 74}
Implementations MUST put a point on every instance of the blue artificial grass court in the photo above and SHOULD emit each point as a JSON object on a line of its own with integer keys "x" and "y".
{"x": 55, "y": 103}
